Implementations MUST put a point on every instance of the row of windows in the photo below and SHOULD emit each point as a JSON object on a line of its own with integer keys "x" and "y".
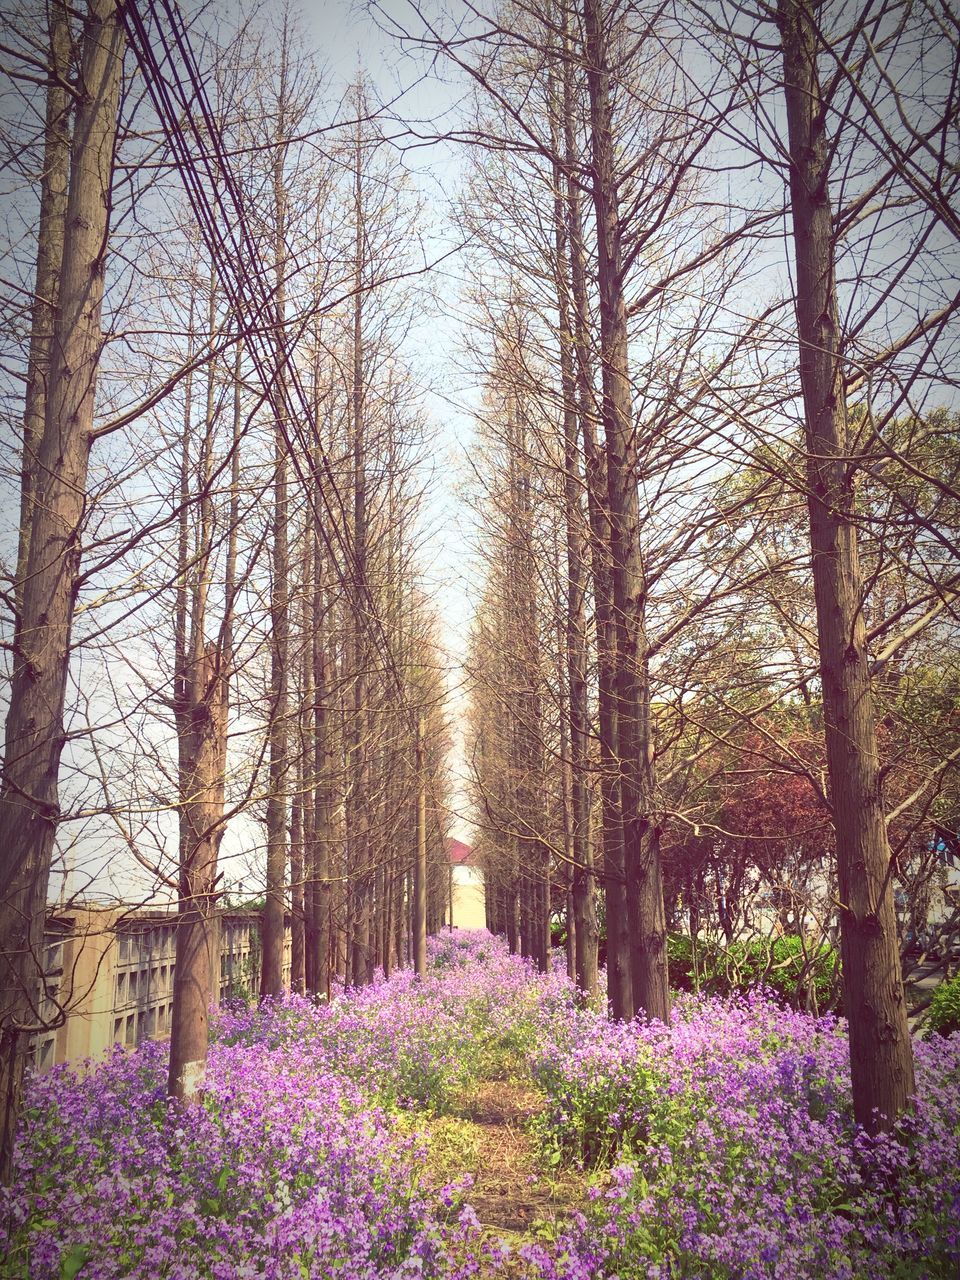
{"x": 133, "y": 1028}
{"x": 147, "y": 944}
{"x": 143, "y": 984}
{"x": 234, "y": 961}
{"x": 150, "y": 944}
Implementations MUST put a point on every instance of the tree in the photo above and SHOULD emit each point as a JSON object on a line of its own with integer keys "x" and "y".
{"x": 881, "y": 1058}
{"x": 34, "y": 730}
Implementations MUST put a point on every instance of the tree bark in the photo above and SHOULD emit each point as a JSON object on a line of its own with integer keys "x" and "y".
{"x": 54, "y": 184}
{"x": 29, "y": 799}
{"x": 420, "y": 864}
{"x": 644, "y": 890}
{"x": 881, "y": 1059}
{"x": 198, "y": 955}
{"x": 274, "y": 910}
{"x": 201, "y": 699}
{"x": 582, "y": 882}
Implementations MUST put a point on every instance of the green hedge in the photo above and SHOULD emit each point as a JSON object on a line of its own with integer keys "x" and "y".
{"x": 945, "y": 1007}
{"x": 778, "y": 963}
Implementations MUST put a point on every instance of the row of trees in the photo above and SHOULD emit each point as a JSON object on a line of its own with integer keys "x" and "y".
{"x": 716, "y": 648}
{"x": 220, "y": 629}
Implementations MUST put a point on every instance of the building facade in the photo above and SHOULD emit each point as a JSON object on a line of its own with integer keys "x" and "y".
{"x": 109, "y": 976}
{"x": 468, "y": 909}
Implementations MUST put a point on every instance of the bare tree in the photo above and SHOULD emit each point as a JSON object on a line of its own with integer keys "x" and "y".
{"x": 29, "y": 807}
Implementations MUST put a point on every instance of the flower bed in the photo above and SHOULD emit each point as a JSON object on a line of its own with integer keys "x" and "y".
{"x": 721, "y": 1146}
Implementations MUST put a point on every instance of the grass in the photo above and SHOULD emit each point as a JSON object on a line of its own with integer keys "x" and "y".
{"x": 486, "y": 1148}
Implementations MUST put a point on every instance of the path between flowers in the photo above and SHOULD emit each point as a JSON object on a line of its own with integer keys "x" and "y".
{"x": 512, "y": 1195}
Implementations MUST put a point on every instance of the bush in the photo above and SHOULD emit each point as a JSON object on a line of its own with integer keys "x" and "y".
{"x": 794, "y": 970}
{"x": 945, "y": 1007}
{"x": 731, "y": 1151}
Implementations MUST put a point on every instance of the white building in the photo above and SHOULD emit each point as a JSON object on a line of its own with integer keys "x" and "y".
{"x": 468, "y": 904}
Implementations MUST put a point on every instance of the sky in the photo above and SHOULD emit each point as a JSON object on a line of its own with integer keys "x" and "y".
{"x": 343, "y": 36}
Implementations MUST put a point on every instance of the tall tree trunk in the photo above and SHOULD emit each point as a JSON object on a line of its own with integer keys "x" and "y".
{"x": 881, "y": 1059}
{"x": 201, "y": 683}
{"x": 645, "y": 913}
{"x": 420, "y": 863}
{"x": 198, "y": 954}
{"x": 298, "y": 832}
{"x": 358, "y": 834}
{"x": 275, "y": 904}
{"x": 323, "y": 806}
{"x": 54, "y": 184}
{"x": 619, "y": 985}
{"x": 581, "y": 874}
{"x": 29, "y": 798}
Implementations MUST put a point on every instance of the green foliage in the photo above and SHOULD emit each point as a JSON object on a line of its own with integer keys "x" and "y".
{"x": 596, "y": 1113}
{"x": 794, "y": 970}
{"x": 73, "y": 1261}
{"x": 945, "y": 1007}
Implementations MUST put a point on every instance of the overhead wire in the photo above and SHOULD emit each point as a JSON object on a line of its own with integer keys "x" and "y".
{"x": 186, "y": 116}
{"x": 225, "y": 231}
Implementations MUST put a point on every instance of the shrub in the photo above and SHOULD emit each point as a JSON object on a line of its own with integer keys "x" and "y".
{"x": 945, "y": 1007}
{"x": 743, "y": 1159}
{"x": 804, "y": 976}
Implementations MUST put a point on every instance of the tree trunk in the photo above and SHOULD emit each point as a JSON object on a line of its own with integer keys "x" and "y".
{"x": 420, "y": 864}
{"x": 298, "y": 835}
{"x": 619, "y": 987}
{"x": 881, "y": 1059}
{"x": 644, "y": 890}
{"x": 358, "y": 835}
{"x": 201, "y": 703}
{"x": 29, "y": 799}
{"x": 275, "y": 904}
{"x": 582, "y": 884}
{"x": 198, "y": 955}
{"x": 54, "y": 184}
{"x": 323, "y": 808}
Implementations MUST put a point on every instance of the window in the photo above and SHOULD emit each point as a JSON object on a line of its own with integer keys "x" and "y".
{"x": 163, "y": 977}
{"x": 134, "y": 977}
{"x": 117, "y": 1030}
{"x": 45, "y": 1054}
{"x": 124, "y": 949}
{"x": 141, "y": 1026}
{"x": 130, "y": 1029}
{"x": 121, "y": 988}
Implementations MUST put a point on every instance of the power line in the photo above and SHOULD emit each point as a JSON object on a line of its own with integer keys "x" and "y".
{"x": 215, "y": 195}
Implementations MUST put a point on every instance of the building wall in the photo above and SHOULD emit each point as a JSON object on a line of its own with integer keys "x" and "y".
{"x": 110, "y": 970}
{"x": 469, "y": 909}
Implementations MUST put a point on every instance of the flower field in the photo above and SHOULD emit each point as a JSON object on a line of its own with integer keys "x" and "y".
{"x": 337, "y": 1140}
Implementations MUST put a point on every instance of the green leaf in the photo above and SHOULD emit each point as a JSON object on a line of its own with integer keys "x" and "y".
{"x": 73, "y": 1261}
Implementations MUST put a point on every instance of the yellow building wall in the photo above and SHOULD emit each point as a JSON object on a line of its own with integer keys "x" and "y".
{"x": 469, "y": 899}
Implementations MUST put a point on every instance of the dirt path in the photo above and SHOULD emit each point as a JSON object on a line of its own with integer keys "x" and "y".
{"x": 511, "y": 1193}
